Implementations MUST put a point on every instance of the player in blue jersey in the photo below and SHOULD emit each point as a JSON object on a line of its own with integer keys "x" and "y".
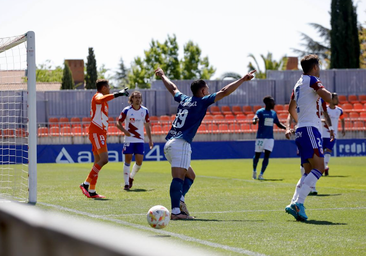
{"x": 304, "y": 109}
{"x": 265, "y": 117}
{"x": 177, "y": 149}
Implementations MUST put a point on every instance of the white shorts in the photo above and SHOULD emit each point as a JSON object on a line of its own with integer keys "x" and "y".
{"x": 264, "y": 144}
{"x": 178, "y": 153}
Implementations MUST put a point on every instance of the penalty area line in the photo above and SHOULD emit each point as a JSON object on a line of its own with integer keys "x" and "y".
{"x": 161, "y": 232}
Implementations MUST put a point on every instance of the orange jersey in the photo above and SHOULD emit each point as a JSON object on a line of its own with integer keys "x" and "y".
{"x": 99, "y": 113}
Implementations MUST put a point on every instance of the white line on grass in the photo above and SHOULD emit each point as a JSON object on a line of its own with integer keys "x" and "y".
{"x": 161, "y": 232}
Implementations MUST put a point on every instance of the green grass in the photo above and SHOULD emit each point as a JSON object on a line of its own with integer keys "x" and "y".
{"x": 231, "y": 208}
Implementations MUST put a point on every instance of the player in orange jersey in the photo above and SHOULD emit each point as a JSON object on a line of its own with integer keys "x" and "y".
{"x": 98, "y": 134}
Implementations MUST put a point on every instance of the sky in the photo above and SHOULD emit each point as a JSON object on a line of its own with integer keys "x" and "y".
{"x": 226, "y": 31}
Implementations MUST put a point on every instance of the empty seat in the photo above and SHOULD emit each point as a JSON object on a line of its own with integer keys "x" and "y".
{"x": 215, "y": 110}
{"x": 113, "y": 131}
{"x": 230, "y": 118}
{"x": 208, "y": 119}
{"x": 212, "y": 128}
{"x": 235, "y": 128}
{"x": 363, "y": 115}
{"x": 8, "y": 133}
{"x": 245, "y": 127}
{"x": 42, "y": 132}
{"x": 65, "y": 131}
{"x": 226, "y": 110}
{"x": 63, "y": 121}
{"x": 237, "y": 110}
{"x": 358, "y": 125}
{"x": 353, "y": 99}
{"x": 342, "y": 99}
{"x": 157, "y": 129}
{"x": 223, "y": 128}
{"x": 164, "y": 119}
{"x": 77, "y": 131}
{"x": 282, "y": 116}
{"x": 347, "y": 107}
{"x": 362, "y": 98}
{"x": 241, "y": 118}
{"x": 20, "y": 132}
{"x": 247, "y": 110}
{"x": 218, "y": 118}
{"x": 354, "y": 115}
{"x": 54, "y": 131}
{"x": 358, "y": 107}
{"x": 278, "y": 108}
{"x": 202, "y": 128}
{"x": 53, "y": 121}
{"x": 256, "y": 107}
{"x": 250, "y": 117}
{"x": 166, "y": 128}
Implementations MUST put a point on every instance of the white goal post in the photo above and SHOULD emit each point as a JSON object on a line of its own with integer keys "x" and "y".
{"x": 18, "y": 119}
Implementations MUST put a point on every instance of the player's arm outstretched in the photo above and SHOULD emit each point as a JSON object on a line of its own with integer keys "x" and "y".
{"x": 172, "y": 88}
{"x": 228, "y": 89}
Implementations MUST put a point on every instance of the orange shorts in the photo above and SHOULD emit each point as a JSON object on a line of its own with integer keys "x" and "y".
{"x": 99, "y": 142}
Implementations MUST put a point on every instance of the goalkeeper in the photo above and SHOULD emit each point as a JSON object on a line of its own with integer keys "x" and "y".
{"x": 98, "y": 134}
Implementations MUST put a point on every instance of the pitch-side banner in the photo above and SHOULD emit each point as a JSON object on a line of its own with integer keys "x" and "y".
{"x": 200, "y": 150}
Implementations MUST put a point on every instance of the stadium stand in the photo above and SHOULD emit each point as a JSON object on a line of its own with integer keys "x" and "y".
{"x": 247, "y": 110}
{"x": 65, "y": 130}
{"x": 354, "y": 115}
{"x": 347, "y": 107}
{"x": 362, "y": 98}
{"x": 113, "y": 130}
{"x": 164, "y": 119}
{"x": 215, "y": 110}
{"x": 63, "y": 121}
{"x": 53, "y": 121}
{"x": 223, "y": 128}
{"x": 358, "y": 107}
{"x": 8, "y": 133}
{"x": 342, "y": 99}
{"x": 352, "y": 99}
{"x": 256, "y": 107}
{"x": 157, "y": 129}
{"x": 54, "y": 131}
{"x": 237, "y": 110}
{"x": 226, "y": 110}
{"x": 230, "y": 118}
{"x": 75, "y": 122}
{"x": 42, "y": 132}
{"x": 77, "y": 131}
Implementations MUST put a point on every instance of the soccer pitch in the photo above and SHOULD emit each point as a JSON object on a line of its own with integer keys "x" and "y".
{"x": 235, "y": 215}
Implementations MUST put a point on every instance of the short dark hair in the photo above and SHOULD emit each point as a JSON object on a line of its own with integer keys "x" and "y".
{"x": 100, "y": 83}
{"x": 308, "y": 62}
{"x": 197, "y": 85}
{"x": 267, "y": 99}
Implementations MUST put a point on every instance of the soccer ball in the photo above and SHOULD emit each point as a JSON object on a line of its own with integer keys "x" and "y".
{"x": 158, "y": 216}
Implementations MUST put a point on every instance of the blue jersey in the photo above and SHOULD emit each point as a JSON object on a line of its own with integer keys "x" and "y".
{"x": 191, "y": 111}
{"x": 265, "y": 124}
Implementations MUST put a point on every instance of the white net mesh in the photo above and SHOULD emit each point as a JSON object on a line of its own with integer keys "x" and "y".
{"x": 13, "y": 118}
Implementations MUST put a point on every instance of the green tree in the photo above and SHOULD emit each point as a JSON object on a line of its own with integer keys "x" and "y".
{"x": 67, "y": 80}
{"x": 91, "y": 70}
{"x": 345, "y": 44}
{"x": 269, "y": 64}
{"x": 193, "y": 66}
{"x": 138, "y": 75}
{"x": 122, "y": 74}
{"x": 320, "y": 48}
{"x": 45, "y": 73}
{"x": 362, "y": 36}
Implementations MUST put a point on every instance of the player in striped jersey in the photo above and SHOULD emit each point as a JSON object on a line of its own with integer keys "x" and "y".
{"x": 98, "y": 134}
{"x": 136, "y": 117}
{"x": 304, "y": 109}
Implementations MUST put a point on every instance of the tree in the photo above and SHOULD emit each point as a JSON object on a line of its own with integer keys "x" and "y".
{"x": 362, "y": 36}
{"x": 67, "y": 80}
{"x": 91, "y": 70}
{"x": 345, "y": 44}
{"x": 46, "y": 74}
{"x": 322, "y": 49}
{"x": 193, "y": 66}
{"x": 166, "y": 56}
{"x": 122, "y": 74}
{"x": 269, "y": 64}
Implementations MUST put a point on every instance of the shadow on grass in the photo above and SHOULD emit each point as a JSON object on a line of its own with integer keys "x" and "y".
{"x": 139, "y": 190}
{"x": 216, "y": 220}
{"x": 324, "y": 222}
{"x": 101, "y": 199}
{"x": 326, "y": 195}
{"x": 159, "y": 236}
{"x": 272, "y": 180}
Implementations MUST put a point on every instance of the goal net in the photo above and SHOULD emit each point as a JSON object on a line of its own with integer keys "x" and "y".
{"x": 18, "y": 139}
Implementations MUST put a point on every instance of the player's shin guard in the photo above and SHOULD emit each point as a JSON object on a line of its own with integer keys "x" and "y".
{"x": 309, "y": 182}
{"x": 93, "y": 176}
{"x": 126, "y": 173}
{"x": 298, "y": 186}
{"x": 176, "y": 188}
{"x": 135, "y": 169}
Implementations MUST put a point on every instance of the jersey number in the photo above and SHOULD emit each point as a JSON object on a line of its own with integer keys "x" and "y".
{"x": 181, "y": 118}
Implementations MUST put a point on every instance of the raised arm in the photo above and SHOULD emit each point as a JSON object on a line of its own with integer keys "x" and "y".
{"x": 228, "y": 89}
{"x": 172, "y": 88}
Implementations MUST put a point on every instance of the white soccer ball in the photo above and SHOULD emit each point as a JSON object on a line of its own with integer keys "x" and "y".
{"x": 158, "y": 216}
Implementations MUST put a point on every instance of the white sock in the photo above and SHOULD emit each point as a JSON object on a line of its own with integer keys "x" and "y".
{"x": 298, "y": 186}
{"x": 309, "y": 182}
{"x": 182, "y": 198}
{"x": 126, "y": 174}
{"x": 86, "y": 183}
{"x": 175, "y": 210}
{"x": 326, "y": 159}
{"x": 302, "y": 170}
{"x": 135, "y": 169}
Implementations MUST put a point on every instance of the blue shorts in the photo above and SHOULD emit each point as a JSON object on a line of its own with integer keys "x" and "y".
{"x": 327, "y": 144}
{"x": 133, "y": 148}
{"x": 309, "y": 142}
